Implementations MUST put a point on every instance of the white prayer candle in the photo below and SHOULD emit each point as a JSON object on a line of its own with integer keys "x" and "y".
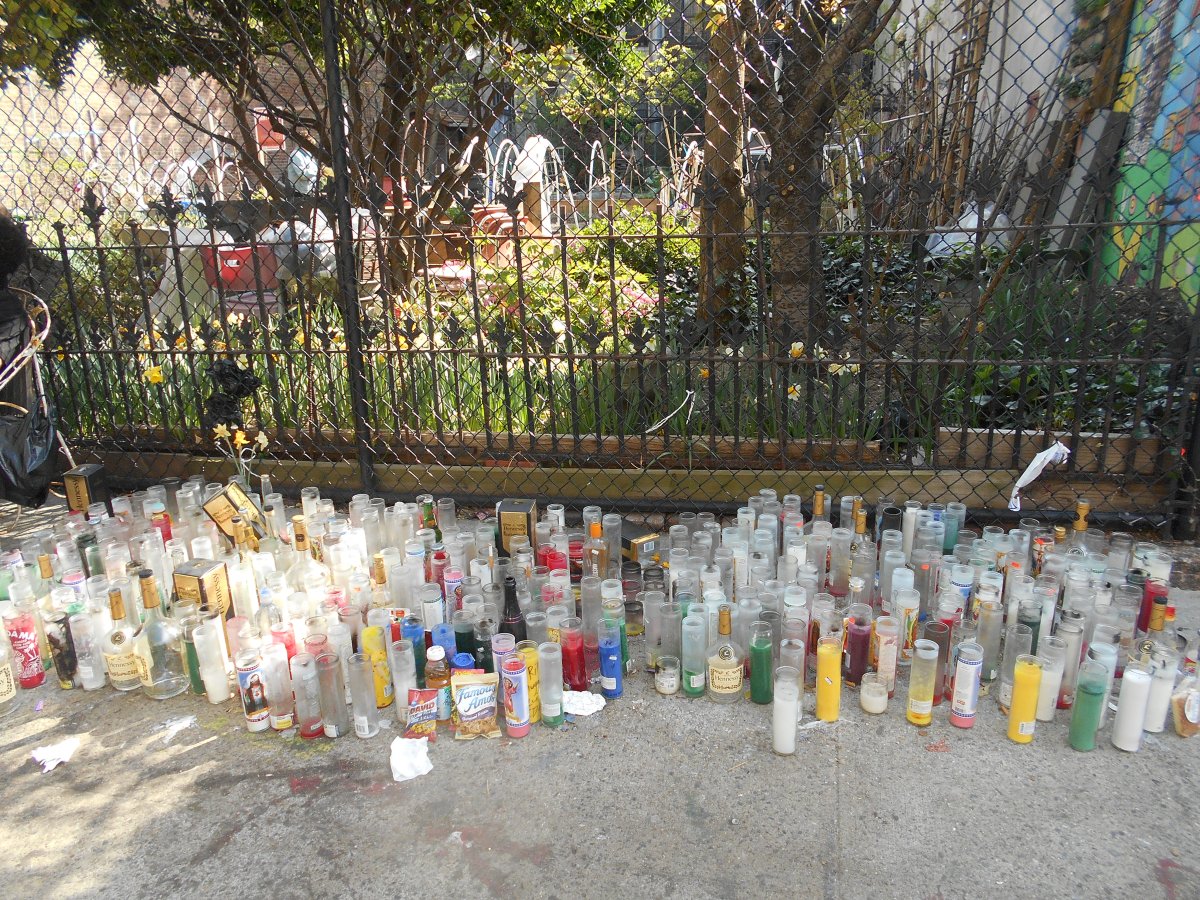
{"x": 1131, "y": 709}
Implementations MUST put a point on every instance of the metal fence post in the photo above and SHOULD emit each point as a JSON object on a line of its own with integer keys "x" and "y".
{"x": 343, "y": 247}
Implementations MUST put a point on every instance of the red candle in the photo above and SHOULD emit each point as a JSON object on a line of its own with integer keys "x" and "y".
{"x": 570, "y": 635}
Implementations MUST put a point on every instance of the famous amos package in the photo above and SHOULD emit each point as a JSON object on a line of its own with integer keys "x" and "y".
{"x": 475, "y": 702}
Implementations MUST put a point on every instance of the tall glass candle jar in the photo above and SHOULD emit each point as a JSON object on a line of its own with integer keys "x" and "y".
{"x": 1052, "y": 650}
{"x": 1131, "y": 708}
{"x": 761, "y": 654}
{"x": 1090, "y": 687}
{"x": 785, "y": 710}
{"x": 921, "y": 682}
{"x": 333, "y": 696}
{"x": 887, "y": 650}
{"x": 550, "y": 688}
{"x": 829, "y": 677}
{"x": 362, "y": 693}
{"x": 575, "y": 674}
{"x": 964, "y": 695}
{"x": 939, "y": 633}
{"x": 1164, "y": 666}
{"x": 1022, "y": 714}
{"x": 1017, "y": 641}
{"x": 858, "y": 641}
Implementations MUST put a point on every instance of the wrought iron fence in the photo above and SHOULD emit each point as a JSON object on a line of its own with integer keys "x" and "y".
{"x": 658, "y": 256}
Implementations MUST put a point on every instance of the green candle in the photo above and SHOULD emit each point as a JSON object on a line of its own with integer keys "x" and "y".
{"x": 761, "y": 687}
{"x": 1089, "y": 703}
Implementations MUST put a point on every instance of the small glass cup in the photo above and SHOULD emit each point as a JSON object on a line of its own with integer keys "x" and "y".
{"x": 666, "y": 675}
{"x": 873, "y": 694}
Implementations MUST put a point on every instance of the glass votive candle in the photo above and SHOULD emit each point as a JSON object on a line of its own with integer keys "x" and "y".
{"x": 873, "y": 694}
{"x": 666, "y": 675}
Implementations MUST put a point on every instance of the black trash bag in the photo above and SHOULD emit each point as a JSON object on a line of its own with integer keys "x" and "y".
{"x": 27, "y": 463}
{"x": 27, "y": 438}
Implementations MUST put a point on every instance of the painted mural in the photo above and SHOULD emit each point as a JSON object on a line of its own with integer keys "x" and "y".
{"x": 1158, "y": 195}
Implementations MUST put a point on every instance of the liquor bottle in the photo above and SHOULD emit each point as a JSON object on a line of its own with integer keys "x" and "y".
{"x": 160, "y": 665}
{"x": 117, "y": 647}
{"x": 724, "y": 662}
{"x": 595, "y": 553}
{"x": 21, "y": 622}
{"x": 1083, "y": 506}
{"x": 819, "y": 513}
{"x": 512, "y": 621}
{"x": 860, "y": 529}
{"x": 305, "y": 573}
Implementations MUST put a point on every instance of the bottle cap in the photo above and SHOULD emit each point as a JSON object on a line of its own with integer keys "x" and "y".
{"x": 463, "y": 661}
{"x": 436, "y": 652}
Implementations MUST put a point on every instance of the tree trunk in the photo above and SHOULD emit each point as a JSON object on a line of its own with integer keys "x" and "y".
{"x": 723, "y": 200}
{"x": 798, "y": 286}
{"x": 798, "y": 190}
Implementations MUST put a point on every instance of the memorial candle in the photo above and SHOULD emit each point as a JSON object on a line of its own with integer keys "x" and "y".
{"x": 1022, "y": 714}
{"x": 858, "y": 642}
{"x": 829, "y": 677}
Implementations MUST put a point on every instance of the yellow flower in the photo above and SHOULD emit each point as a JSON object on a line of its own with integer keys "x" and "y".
{"x": 797, "y": 350}
{"x": 154, "y": 375}
{"x": 262, "y": 441}
{"x": 239, "y": 439}
{"x": 835, "y": 368}
{"x": 704, "y": 373}
{"x": 221, "y": 431}
{"x": 793, "y": 392}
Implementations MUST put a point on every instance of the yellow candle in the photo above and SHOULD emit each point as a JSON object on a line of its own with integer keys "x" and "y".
{"x": 829, "y": 678}
{"x": 1022, "y": 713}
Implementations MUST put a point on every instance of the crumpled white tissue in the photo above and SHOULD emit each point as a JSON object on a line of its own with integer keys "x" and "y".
{"x": 410, "y": 758}
{"x": 582, "y": 703}
{"x": 1055, "y": 454}
{"x": 51, "y": 755}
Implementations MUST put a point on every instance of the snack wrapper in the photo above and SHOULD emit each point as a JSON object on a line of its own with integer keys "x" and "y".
{"x": 475, "y": 703}
{"x": 422, "y": 713}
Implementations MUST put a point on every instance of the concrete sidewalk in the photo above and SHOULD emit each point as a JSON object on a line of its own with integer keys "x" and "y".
{"x": 651, "y": 797}
{"x": 655, "y": 797}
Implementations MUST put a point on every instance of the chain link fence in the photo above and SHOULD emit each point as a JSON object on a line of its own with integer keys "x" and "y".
{"x": 653, "y": 255}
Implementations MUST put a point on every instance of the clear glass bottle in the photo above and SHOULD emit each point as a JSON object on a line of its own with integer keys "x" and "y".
{"x": 724, "y": 661}
{"x": 156, "y": 645}
{"x": 305, "y": 573}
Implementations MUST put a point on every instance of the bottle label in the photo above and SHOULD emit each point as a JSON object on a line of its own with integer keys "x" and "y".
{"x": 362, "y": 727}
{"x": 609, "y": 684}
{"x": 552, "y": 635}
{"x": 551, "y": 709}
{"x": 696, "y": 680}
{"x": 725, "y": 681}
{"x": 8, "y": 684}
{"x": 143, "y": 669}
{"x": 920, "y": 707}
{"x": 965, "y": 701}
{"x": 1027, "y": 727}
{"x": 282, "y": 722}
{"x": 122, "y": 666}
{"x": 84, "y": 673}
